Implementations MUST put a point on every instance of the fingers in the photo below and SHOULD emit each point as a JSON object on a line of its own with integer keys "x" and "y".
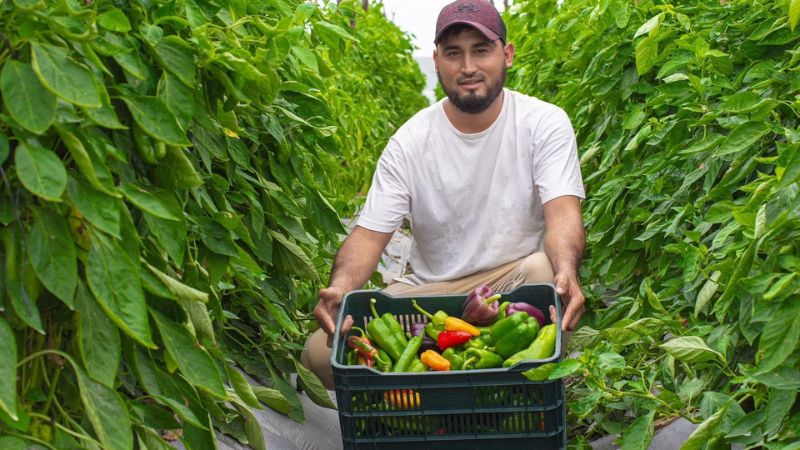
{"x": 323, "y": 315}
{"x": 572, "y": 315}
{"x": 553, "y": 314}
{"x": 327, "y": 309}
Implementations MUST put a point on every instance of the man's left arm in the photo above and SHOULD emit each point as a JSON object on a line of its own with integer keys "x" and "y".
{"x": 564, "y": 243}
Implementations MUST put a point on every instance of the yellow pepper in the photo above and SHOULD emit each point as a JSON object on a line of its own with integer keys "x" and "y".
{"x": 456, "y": 324}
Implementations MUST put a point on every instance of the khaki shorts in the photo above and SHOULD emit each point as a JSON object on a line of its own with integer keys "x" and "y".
{"x": 535, "y": 268}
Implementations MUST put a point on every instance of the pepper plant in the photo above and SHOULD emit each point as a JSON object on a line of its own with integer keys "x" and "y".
{"x": 687, "y": 118}
{"x": 165, "y": 210}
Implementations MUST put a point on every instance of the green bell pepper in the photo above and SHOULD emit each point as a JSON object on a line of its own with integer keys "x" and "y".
{"x": 385, "y": 334}
{"x": 514, "y": 333}
{"x": 455, "y": 357}
{"x": 481, "y": 359}
{"x": 542, "y": 347}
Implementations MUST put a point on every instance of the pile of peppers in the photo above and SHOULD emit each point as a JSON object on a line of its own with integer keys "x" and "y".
{"x": 490, "y": 333}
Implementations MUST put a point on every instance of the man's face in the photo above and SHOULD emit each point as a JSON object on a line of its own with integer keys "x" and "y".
{"x": 472, "y": 69}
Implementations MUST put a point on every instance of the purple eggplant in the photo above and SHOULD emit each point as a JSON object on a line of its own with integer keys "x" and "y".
{"x": 428, "y": 344}
{"x": 417, "y": 329}
{"x": 530, "y": 309}
{"x": 480, "y": 308}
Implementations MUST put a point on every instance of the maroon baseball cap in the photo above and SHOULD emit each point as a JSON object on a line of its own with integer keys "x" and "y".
{"x": 479, "y": 14}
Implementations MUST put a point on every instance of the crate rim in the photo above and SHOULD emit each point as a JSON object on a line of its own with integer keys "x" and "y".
{"x": 516, "y": 367}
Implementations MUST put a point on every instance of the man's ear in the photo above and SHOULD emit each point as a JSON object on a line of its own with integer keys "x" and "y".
{"x": 436, "y": 60}
{"x": 509, "y": 54}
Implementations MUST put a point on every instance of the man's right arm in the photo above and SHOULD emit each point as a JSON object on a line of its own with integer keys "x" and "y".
{"x": 355, "y": 262}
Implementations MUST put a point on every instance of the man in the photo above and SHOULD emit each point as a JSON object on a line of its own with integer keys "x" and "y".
{"x": 489, "y": 176}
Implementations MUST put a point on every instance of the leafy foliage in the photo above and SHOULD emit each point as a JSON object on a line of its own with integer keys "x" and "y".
{"x": 687, "y": 119}
{"x": 166, "y": 172}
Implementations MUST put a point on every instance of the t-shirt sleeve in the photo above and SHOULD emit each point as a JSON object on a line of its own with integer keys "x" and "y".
{"x": 388, "y": 199}
{"x": 556, "y": 167}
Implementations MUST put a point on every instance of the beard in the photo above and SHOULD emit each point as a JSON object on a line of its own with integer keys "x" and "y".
{"x": 473, "y": 103}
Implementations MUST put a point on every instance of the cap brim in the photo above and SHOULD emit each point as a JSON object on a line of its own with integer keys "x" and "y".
{"x": 489, "y": 34}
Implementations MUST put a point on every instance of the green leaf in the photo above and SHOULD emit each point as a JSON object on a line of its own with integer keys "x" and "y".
{"x": 171, "y": 235}
{"x": 5, "y": 147}
{"x": 780, "y": 337}
{"x": 306, "y": 57}
{"x": 177, "y": 57}
{"x": 639, "y": 433}
{"x": 40, "y": 171}
{"x": 272, "y": 398}
{"x": 156, "y": 119}
{"x": 178, "y": 289}
{"x": 742, "y": 137}
{"x": 691, "y": 349}
{"x": 114, "y": 279}
{"x": 794, "y": 13}
{"x": 276, "y": 311}
{"x": 242, "y": 388}
{"x": 540, "y": 373}
{"x": 52, "y": 254}
{"x": 194, "y": 362}
{"x": 217, "y": 238}
{"x": 98, "y": 339}
{"x": 8, "y": 370}
{"x": 64, "y": 77}
{"x": 13, "y": 443}
{"x": 610, "y": 363}
{"x": 178, "y": 97}
{"x": 564, "y": 368}
{"x": 741, "y": 102}
{"x": 706, "y": 293}
{"x": 706, "y": 431}
{"x": 88, "y": 163}
{"x": 100, "y": 209}
{"x": 252, "y": 429}
{"x": 313, "y": 387}
{"x": 779, "y": 405}
{"x": 158, "y": 204}
{"x": 648, "y": 26}
{"x": 28, "y": 103}
{"x": 106, "y": 412}
{"x": 646, "y": 55}
{"x": 114, "y": 20}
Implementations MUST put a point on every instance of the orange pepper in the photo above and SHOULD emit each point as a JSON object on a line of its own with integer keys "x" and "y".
{"x": 402, "y": 398}
{"x": 434, "y": 360}
{"x": 456, "y": 324}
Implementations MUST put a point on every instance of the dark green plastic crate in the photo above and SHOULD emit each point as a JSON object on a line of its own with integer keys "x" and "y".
{"x": 476, "y": 409}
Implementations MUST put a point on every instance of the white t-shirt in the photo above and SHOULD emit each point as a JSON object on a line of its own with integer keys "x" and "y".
{"x": 475, "y": 200}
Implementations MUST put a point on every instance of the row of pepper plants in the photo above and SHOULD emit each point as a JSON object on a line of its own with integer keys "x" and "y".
{"x": 170, "y": 174}
{"x": 687, "y": 117}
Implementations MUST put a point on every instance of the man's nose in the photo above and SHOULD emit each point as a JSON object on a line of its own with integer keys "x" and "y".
{"x": 468, "y": 66}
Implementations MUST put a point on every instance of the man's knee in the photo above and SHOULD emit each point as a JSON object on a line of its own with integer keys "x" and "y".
{"x": 316, "y": 357}
{"x": 536, "y": 268}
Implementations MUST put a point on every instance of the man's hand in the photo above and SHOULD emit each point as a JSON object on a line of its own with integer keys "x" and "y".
{"x": 572, "y": 300}
{"x": 327, "y": 311}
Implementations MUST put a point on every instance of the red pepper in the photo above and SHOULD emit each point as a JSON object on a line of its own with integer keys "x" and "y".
{"x": 363, "y": 346}
{"x": 449, "y": 339}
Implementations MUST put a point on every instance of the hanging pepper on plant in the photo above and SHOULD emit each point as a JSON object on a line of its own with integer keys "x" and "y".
{"x": 387, "y": 332}
{"x": 441, "y": 321}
